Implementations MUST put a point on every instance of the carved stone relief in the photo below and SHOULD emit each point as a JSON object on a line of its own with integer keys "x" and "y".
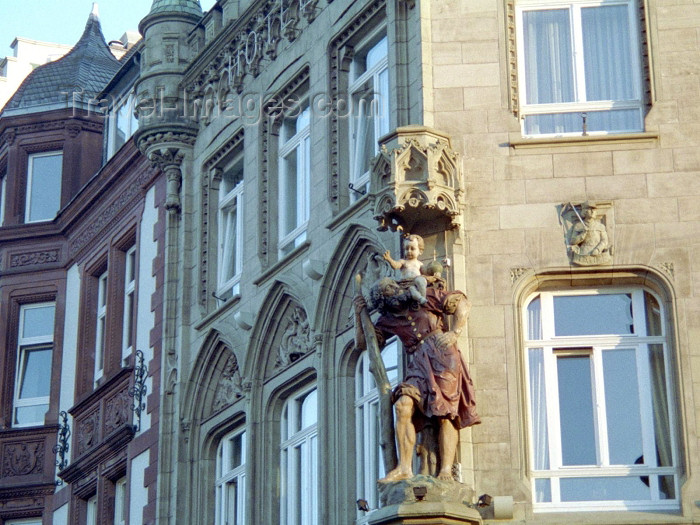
{"x": 117, "y": 412}
{"x": 296, "y": 340}
{"x": 22, "y": 459}
{"x": 88, "y": 432}
{"x": 230, "y": 387}
{"x": 587, "y": 239}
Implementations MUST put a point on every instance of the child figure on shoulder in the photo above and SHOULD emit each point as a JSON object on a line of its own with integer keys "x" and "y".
{"x": 410, "y": 267}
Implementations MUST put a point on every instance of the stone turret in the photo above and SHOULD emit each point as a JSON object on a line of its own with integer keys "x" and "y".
{"x": 166, "y": 130}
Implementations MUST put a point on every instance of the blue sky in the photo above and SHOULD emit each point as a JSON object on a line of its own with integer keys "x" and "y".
{"x": 63, "y": 21}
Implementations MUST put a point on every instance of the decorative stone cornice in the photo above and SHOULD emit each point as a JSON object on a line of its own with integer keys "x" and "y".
{"x": 416, "y": 177}
{"x": 254, "y": 38}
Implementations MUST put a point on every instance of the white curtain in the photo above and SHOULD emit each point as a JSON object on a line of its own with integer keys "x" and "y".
{"x": 549, "y": 74}
{"x": 538, "y": 403}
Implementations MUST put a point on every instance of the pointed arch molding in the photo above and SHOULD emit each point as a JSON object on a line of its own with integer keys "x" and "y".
{"x": 283, "y": 334}
{"x": 335, "y": 302}
{"x": 216, "y": 381}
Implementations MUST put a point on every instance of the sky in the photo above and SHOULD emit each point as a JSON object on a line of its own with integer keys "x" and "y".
{"x": 63, "y": 21}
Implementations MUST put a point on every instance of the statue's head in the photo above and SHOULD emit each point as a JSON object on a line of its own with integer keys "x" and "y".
{"x": 387, "y": 295}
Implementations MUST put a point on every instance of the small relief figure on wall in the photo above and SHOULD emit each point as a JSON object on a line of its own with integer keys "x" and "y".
{"x": 588, "y": 240}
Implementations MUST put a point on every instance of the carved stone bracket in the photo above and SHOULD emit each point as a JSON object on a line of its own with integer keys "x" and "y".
{"x": 416, "y": 177}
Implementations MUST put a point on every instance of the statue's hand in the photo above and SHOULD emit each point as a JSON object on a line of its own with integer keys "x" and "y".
{"x": 359, "y": 303}
{"x": 387, "y": 255}
{"x": 445, "y": 340}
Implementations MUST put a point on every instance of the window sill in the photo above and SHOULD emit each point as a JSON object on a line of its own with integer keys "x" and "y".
{"x": 218, "y": 311}
{"x": 294, "y": 254}
{"x": 554, "y": 142}
{"x": 348, "y": 212}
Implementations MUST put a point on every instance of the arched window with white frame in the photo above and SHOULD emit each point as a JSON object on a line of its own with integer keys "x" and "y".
{"x": 369, "y": 101}
{"x": 600, "y": 387}
{"x": 370, "y": 464}
{"x": 299, "y": 459}
{"x": 231, "y": 478}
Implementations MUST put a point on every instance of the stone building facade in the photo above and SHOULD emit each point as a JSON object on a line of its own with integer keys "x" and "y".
{"x": 544, "y": 149}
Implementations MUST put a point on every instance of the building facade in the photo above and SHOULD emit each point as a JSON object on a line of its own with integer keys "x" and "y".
{"x": 544, "y": 149}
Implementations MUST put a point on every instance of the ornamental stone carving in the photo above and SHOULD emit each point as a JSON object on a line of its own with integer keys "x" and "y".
{"x": 34, "y": 258}
{"x": 587, "y": 239}
{"x": 22, "y": 459}
{"x": 117, "y": 412}
{"x": 296, "y": 340}
{"x": 416, "y": 178}
{"x": 230, "y": 387}
{"x": 87, "y": 433}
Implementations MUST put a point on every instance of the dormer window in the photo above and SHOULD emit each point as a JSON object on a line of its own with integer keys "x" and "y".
{"x": 122, "y": 124}
{"x": 43, "y": 186}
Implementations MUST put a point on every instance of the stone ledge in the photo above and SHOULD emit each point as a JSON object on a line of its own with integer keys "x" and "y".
{"x": 425, "y": 513}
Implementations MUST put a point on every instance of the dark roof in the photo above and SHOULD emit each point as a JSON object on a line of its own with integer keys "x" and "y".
{"x": 191, "y": 7}
{"x": 85, "y": 69}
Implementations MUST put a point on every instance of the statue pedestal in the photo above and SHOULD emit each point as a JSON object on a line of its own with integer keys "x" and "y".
{"x": 424, "y": 500}
{"x": 426, "y": 513}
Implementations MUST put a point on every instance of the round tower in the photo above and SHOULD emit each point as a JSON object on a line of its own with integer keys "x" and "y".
{"x": 166, "y": 131}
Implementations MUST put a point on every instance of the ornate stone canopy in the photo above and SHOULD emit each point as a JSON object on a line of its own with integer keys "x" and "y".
{"x": 416, "y": 177}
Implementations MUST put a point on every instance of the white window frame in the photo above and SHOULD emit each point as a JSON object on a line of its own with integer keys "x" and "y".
{"x": 299, "y": 462}
{"x": 231, "y": 208}
{"x": 25, "y": 345}
{"x": 553, "y": 347}
{"x": 120, "y": 506}
{"x": 28, "y": 521}
{"x": 380, "y": 108}
{"x": 129, "y": 321}
{"x": 299, "y": 143}
{"x": 370, "y": 465}
{"x": 126, "y": 103}
{"x": 581, "y": 105}
{"x": 230, "y": 510}
{"x": 101, "y": 324}
{"x": 91, "y": 510}
{"x": 30, "y": 183}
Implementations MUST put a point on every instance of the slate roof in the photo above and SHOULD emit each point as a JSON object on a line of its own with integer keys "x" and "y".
{"x": 86, "y": 69}
{"x": 176, "y": 6}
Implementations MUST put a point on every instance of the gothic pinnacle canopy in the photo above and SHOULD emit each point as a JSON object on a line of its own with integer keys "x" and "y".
{"x": 79, "y": 75}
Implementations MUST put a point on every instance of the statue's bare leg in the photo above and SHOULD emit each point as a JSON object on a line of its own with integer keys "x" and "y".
{"x": 405, "y": 439}
{"x": 449, "y": 436}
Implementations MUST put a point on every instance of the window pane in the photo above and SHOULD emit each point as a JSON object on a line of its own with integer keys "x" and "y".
{"x": 659, "y": 400}
{"x": 653, "y": 315}
{"x": 289, "y": 193}
{"x": 576, "y": 411}
{"x": 548, "y": 56}
{"x": 593, "y": 314}
{"x": 38, "y": 321}
{"x": 604, "y": 489}
{"x": 237, "y": 449}
{"x": 30, "y": 415}
{"x": 309, "y": 410}
{"x": 543, "y": 490}
{"x": 534, "y": 320}
{"x": 622, "y": 406}
{"x": 667, "y": 487}
{"x": 35, "y": 376}
{"x": 44, "y": 191}
{"x": 377, "y": 53}
{"x": 538, "y": 410}
{"x": 607, "y": 55}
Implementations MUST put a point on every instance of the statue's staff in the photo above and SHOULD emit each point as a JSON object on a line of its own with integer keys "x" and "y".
{"x": 376, "y": 367}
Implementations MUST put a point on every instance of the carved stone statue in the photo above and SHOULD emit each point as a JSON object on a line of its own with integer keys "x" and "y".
{"x": 588, "y": 239}
{"x": 410, "y": 267}
{"x": 437, "y": 389}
